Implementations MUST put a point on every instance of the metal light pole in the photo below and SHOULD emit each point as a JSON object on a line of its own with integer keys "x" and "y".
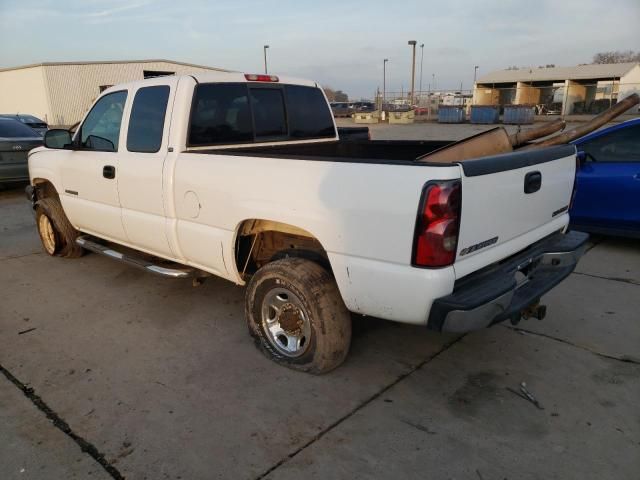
{"x": 384, "y": 82}
{"x": 265, "y": 59}
{"x": 413, "y": 69}
{"x": 421, "y": 61}
{"x": 473, "y": 92}
{"x": 433, "y": 81}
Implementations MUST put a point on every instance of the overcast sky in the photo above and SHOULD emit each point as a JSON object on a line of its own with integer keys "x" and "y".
{"x": 339, "y": 43}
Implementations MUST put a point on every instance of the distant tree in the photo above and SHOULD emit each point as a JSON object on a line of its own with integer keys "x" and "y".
{"x": 341, "y": 96}
{"x": 616, "y": 57}
{"x": 335, "y": 95}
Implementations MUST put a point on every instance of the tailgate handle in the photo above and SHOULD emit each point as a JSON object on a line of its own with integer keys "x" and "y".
{"x": 532, "y": 182}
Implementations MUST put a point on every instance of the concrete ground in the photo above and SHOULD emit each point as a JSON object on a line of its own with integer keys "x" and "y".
{"x": 110, "y": 372}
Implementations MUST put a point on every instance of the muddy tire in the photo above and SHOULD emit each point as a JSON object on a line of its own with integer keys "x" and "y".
{"x": 297, "y": 317}
{"x": 57, "y": 235}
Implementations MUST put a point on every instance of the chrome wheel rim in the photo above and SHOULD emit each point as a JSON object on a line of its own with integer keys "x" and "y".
{"x": 285, "y": 323}
{"x": 47, "y": 234}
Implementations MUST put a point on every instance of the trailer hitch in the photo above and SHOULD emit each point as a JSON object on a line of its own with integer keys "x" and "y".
{"x": 535, "y": 310}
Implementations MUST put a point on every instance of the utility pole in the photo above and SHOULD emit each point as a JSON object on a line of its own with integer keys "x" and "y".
{"x": 384, "y": 82}
{"x": 265, "y": 59}
{"x": 413, "y": 69}
{"x": 473, "y": 91}
{"x": 421, "y": 61}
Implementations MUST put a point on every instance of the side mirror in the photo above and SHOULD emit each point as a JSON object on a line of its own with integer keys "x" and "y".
{"x": 581, "y": 156}
{"x": 57, "y": 138}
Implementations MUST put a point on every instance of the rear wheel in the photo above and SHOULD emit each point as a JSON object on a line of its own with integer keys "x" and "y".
{"x": 297, "y": 317}
{"x": 57, "y": 235}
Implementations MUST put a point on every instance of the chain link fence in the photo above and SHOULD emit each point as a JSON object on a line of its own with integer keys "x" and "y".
{"x": 554, "y": 99}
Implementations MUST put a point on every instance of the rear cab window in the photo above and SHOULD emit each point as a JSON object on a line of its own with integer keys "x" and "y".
{"x": 268, "y": 112}
{"x": 146, "y": 122}
{"x": 235, "y": 113}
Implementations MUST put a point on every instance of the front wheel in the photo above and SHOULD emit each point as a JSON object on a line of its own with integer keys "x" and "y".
{"x": 297, "y": 317}
{"x": 57, "y": 235}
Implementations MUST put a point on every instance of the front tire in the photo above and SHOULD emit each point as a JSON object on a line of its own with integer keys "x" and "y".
{"x": 297, "y": 317}
{"x": 57, "y": 235}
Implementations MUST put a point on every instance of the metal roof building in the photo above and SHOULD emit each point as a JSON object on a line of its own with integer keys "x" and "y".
{"x": 578, "y": 89}
{"x": 61, "y": 92}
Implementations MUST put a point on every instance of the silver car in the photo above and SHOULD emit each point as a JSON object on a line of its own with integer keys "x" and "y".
{"x": 16, "y": 139}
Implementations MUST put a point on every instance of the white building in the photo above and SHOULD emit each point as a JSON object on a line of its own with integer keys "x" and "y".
{"x": 60, "y": 93}
{"x": 579, "y": 89}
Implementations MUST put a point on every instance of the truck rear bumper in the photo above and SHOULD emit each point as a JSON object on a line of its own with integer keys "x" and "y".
{"x": 504, "y": 290}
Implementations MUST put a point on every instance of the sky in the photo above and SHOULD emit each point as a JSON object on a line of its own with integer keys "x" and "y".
{"x": 340, "y": 44}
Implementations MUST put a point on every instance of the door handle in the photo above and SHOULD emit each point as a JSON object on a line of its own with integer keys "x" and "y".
{"x": 109, "y": 171}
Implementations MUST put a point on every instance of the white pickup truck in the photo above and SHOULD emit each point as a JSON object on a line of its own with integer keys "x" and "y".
{"x": 244, "y": 177}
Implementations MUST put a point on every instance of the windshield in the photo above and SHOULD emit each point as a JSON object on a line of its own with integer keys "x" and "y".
{"x": 14, "y": 129}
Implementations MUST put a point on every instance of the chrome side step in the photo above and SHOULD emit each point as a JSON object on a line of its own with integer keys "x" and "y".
{"x": 86, "y": 242}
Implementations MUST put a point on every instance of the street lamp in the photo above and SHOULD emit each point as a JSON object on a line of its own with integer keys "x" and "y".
{"x": 421, "y": 61}
{"x": 265, "y": 58}
{"x": 384, "y": 82}
{"x": 413, "y": 68}
{"x": 433, "y": 80}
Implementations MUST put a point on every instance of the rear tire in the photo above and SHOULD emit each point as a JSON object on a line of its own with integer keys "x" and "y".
{"x": 57, "y": 235}
{"x": 296, "y": 315}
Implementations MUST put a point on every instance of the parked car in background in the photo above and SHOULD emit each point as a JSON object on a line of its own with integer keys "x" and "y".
{"x": 37, "y": 124}
{"x": 607, "y": 197}
{"x": 16, "y": 139}
{"x": 341, "y": 109}
{"x": 364, "y": 106}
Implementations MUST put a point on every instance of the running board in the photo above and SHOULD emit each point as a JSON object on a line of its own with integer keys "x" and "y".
{"x": 89, "y": 244}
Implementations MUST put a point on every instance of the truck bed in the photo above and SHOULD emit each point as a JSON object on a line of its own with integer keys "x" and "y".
{"x": 358, "y": 151}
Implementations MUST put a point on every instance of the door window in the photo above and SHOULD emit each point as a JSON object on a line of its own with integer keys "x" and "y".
{"x": 146, "y": 122}
{"x": 101, "y": 128}
{"x": 619, "y": 146}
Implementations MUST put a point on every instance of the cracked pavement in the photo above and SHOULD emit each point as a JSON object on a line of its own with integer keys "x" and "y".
{"x": 161, "y": 380}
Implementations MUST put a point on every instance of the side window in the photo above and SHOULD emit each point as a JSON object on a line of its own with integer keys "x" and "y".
{"x": 268, "y": 112}
{"x": 147, "y": 119}
{"x": 619, "y": 146}
{"x": 101, "y": 128}
{"x": 309, "y": 116}
{"x": 220, "y": 114}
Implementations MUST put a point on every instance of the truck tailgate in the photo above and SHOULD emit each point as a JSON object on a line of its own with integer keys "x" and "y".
{"x": 511, "y": 201}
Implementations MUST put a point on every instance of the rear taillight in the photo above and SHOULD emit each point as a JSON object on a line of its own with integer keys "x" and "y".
{"x": 438, "y": 224}
{"x": 253, "y": 77}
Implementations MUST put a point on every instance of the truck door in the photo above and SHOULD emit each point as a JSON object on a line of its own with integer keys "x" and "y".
{"x": 140, "y": 177}
{"x": 89, "y": 172}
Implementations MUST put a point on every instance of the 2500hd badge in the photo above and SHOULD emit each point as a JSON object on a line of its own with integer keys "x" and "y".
{"x": 478, "y": 246}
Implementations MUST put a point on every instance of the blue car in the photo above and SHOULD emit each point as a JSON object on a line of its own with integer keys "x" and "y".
{"x": 607, "y": 199}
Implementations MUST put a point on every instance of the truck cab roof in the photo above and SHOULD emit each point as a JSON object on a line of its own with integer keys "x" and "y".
{"x": 219, "y": 77}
